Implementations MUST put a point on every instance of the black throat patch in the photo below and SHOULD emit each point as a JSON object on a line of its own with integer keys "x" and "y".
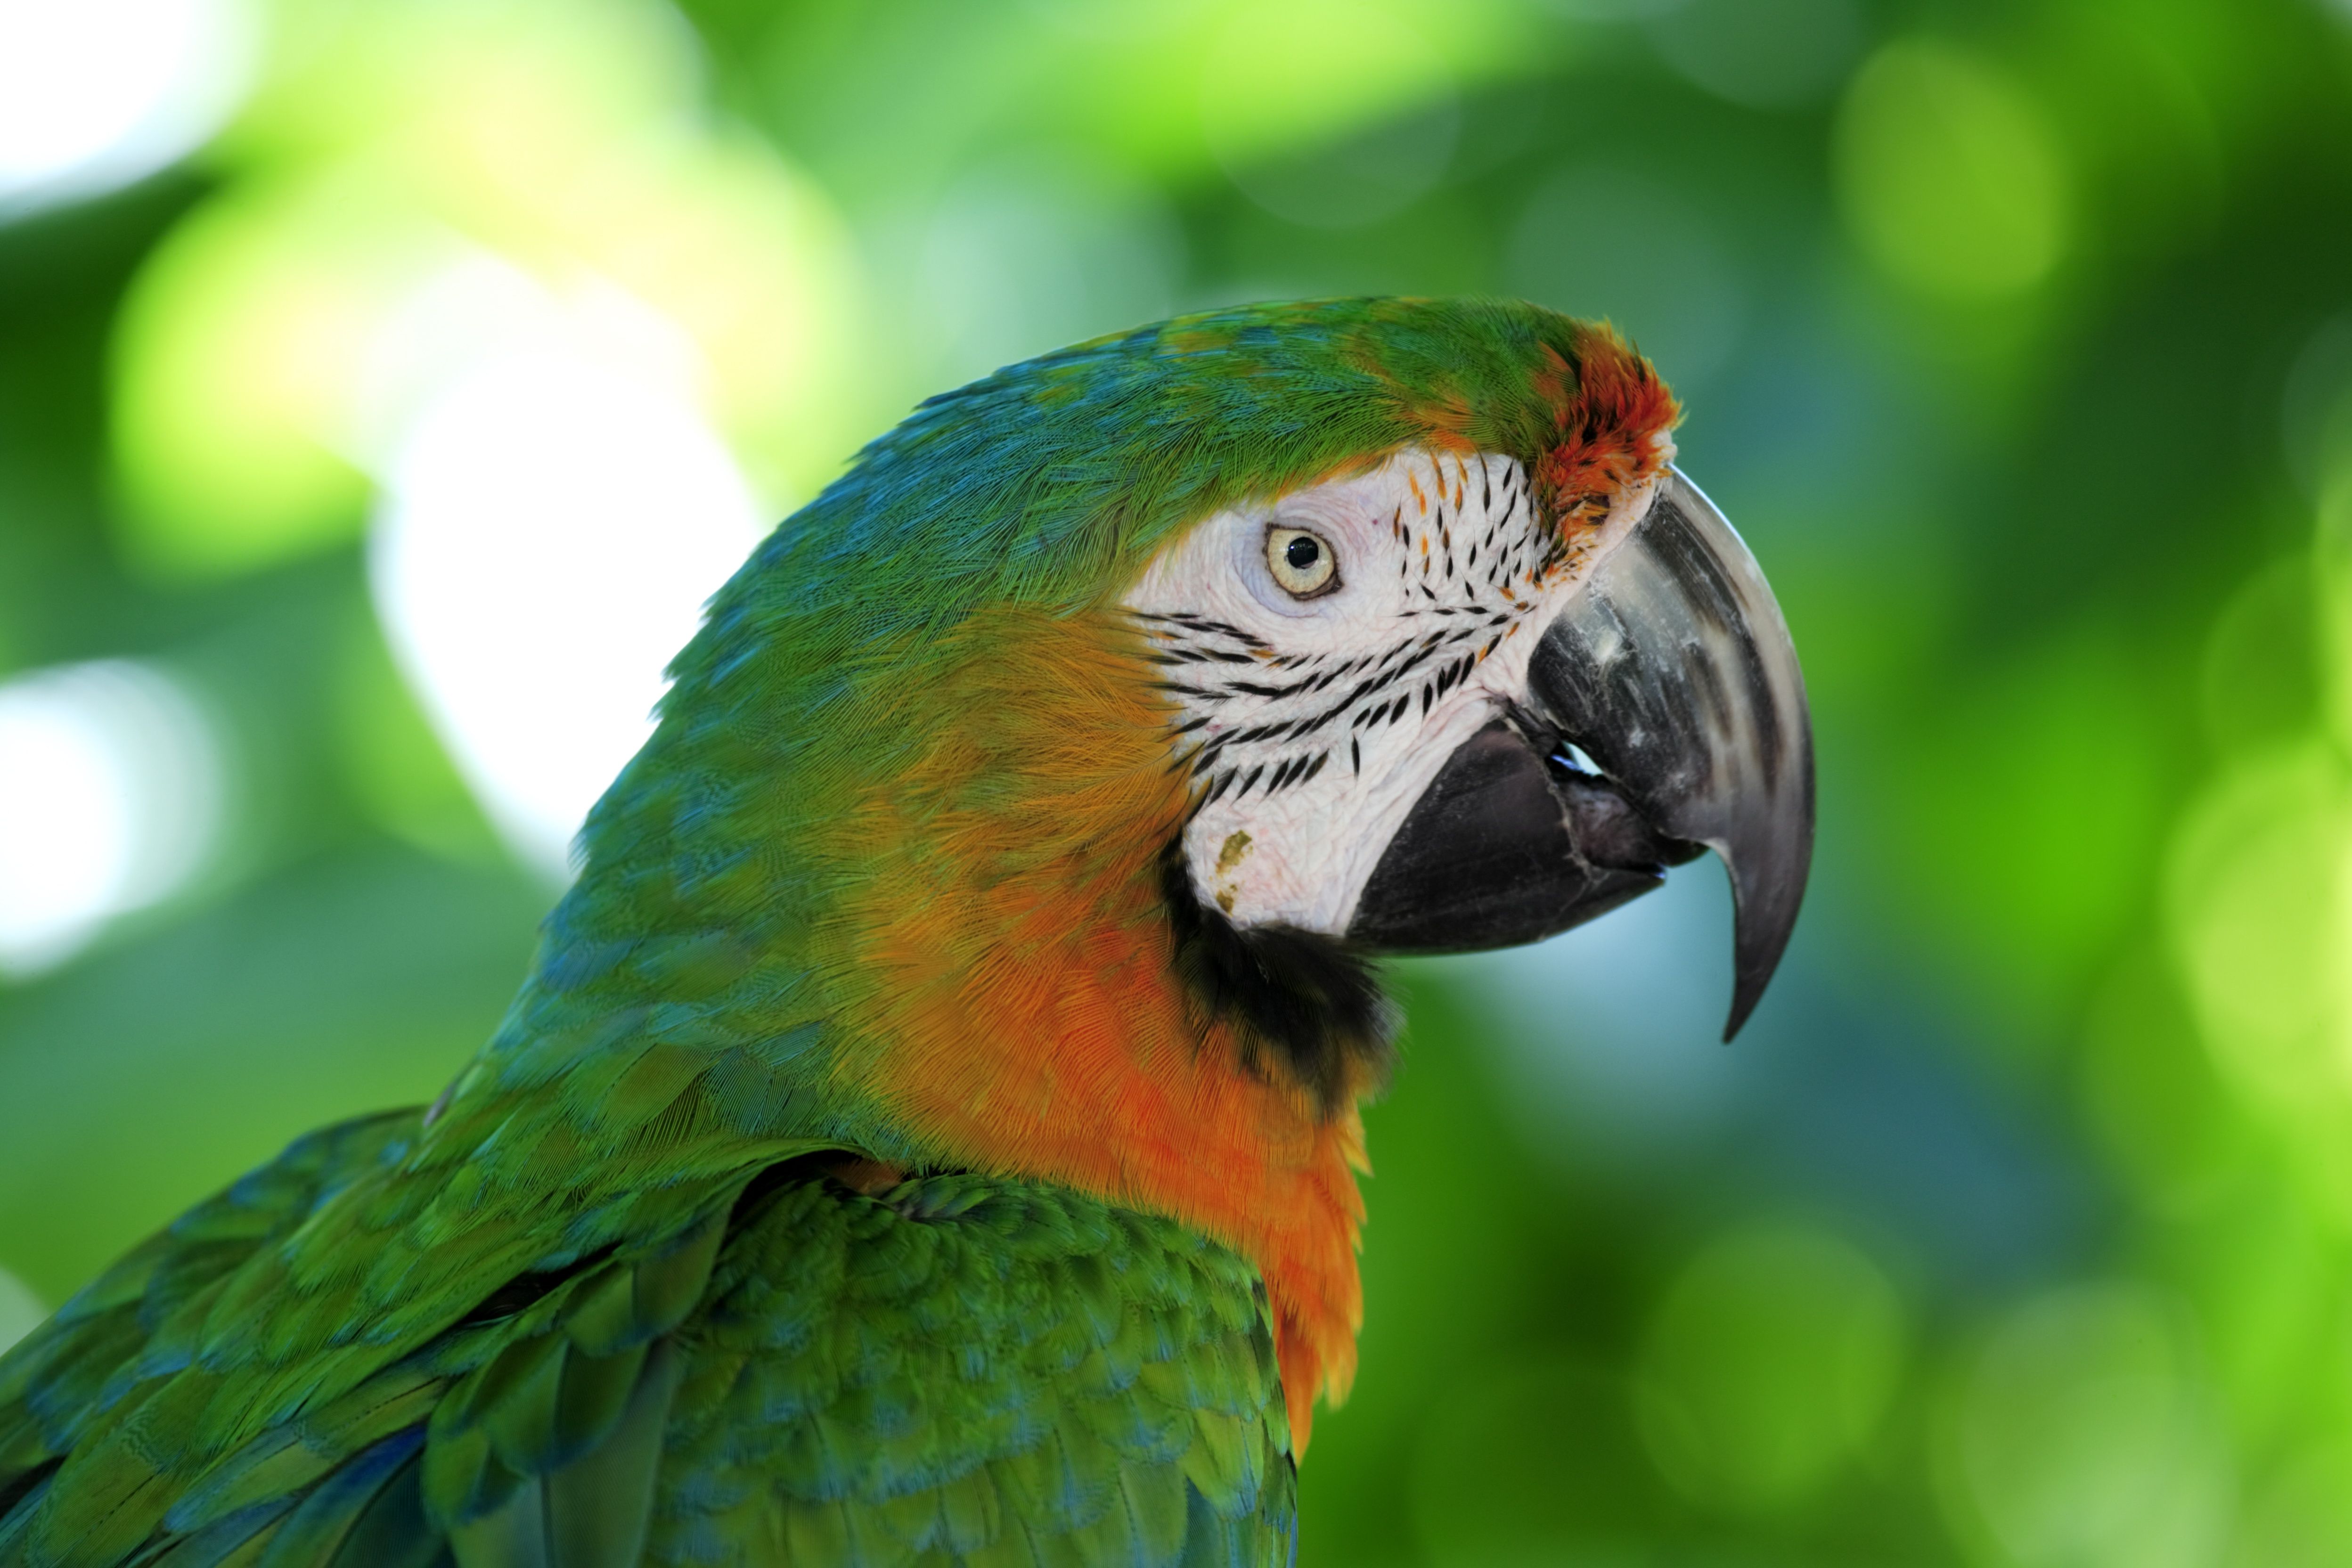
{"x": 1304, "y": 1006}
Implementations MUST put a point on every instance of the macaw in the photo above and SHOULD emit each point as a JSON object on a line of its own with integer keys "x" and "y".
{"x": 928, "y": 1130}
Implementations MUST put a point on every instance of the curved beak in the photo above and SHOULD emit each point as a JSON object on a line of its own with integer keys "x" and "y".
{"x": 1664, "y": 712}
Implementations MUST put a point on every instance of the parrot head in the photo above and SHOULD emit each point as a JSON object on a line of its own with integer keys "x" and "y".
{"x": 1040, "y": 798}
{"x": 1438, "y": 705}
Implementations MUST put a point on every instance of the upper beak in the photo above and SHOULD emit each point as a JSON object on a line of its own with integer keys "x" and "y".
{"x": 1672, "y": 669}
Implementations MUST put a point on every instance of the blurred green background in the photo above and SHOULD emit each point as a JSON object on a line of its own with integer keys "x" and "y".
{"x": 383, "y": 381}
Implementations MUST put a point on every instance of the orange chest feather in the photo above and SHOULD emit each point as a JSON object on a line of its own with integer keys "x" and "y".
{"x": 1018, "y": 986}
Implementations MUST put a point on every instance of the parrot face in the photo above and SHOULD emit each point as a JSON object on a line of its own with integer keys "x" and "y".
{"x": 1422, "y": 715}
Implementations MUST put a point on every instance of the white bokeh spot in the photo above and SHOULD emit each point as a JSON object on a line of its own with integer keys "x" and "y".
{"x": 556, "y": 510}
{"x": 96, "y": 93}
{"x": 110, "y": 795}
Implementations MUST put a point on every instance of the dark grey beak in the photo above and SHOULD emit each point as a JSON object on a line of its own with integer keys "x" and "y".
{"x": 1664, "y": 712}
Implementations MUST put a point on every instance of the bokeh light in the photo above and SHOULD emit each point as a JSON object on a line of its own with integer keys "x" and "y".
{"x": 1948, "y": 175}
{"x": 2080, "y": 1435}
{"x": 550, "y": 529}
{"x": 1277, "y": 107}
{"x": 276, "y": 347}
{"x": 575, "y": 350}
{"x": 97, "y": 93}
{"x": 1285, "y": 82}
{"x": 2257, "y": 908}
{"x": 237, "y": 355}
{"x": 109, "y": 786}
{"x": 1769, "y": 1364}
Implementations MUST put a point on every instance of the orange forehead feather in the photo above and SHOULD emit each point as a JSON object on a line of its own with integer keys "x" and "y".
{"x": 1610, "y": 420}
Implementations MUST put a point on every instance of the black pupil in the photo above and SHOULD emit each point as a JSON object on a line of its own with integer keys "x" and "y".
{"x": 1302, "y": 552}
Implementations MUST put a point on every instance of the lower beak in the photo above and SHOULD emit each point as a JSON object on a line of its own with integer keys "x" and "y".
{"x": 1664, "y": 713}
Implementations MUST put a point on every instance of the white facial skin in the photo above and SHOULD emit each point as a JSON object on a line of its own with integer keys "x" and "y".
{"x": 1315, "y": 705}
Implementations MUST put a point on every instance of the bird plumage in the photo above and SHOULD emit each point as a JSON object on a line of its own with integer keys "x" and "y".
{"x": 949, "y": 1368}
{"x": 888, "y": 893}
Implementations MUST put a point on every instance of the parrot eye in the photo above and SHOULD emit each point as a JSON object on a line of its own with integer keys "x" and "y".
{"x": 1304, "y": 564}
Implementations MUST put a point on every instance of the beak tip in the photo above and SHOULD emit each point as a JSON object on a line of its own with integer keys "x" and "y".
{"x": 1746, "y": 992}
{"x": 1767, "y": 891}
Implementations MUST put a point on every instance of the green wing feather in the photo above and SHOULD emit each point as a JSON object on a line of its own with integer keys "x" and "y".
{"x": 961, "y": 1371}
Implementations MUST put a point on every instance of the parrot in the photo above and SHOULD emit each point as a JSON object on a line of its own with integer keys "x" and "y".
{"x": 929, "y": 1129}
